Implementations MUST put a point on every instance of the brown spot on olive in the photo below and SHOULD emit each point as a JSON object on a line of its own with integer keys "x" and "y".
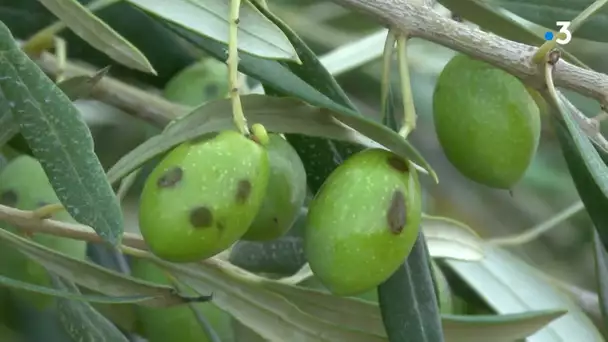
{"x": 398, "y": 164}
{"x": 275, "y": 220}
{"x": 170, "y": 177}
{"x": 395, "y": 216}
{"x": 201, "y": 217}
{"x": 220, "y": 225}
{"x": 9, "y": 198}
{"x": 212, "y": 90}
{"x": 243, "y": 190}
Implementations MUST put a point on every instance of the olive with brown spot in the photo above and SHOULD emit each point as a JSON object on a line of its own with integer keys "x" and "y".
{"x": 219, "y": 191}
{"x": 363, "y": 222}
{"x": 285, "y": 194}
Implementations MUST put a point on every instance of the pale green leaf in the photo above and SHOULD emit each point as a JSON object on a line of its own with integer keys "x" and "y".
{"x": 97, "y": 33}
{"x": 511, "y": 286}
{"x": 256, "y": 35}
{"x": 447, "y": 238}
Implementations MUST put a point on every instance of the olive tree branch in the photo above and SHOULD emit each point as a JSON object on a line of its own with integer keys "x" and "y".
{"x": 30, "y": 223}
{"x": 420, "y": 20}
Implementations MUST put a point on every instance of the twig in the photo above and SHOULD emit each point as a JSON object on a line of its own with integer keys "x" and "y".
{"x": 147, "y": 106}
{"x": 421, "y": 21}
{"x": 26, "y": 220}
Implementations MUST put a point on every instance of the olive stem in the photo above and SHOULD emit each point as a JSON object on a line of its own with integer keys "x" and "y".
{"x": 540, "y": 54}
{"x": 233, "y": 68}
{"x": 61, "y": 48}
{"x": 536, "y": 231}
{"x": 47, "y": 211}
{"x": 409, "y": 110}
{"x": 387, "y": 58}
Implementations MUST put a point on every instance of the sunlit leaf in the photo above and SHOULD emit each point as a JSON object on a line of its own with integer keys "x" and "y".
{"x": 511, "y": 286}
{"x": 256, "y": 34}
{"x": 60, "y": 140}
{"x": 97, "y": 33}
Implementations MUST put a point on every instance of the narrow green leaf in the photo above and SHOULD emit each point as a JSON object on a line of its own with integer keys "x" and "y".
{"x": 591, "y": 158}
{"x": 60, "y": 140}
{"x": 284, "y": 115}
{"x": 97, "y": 33}
{"x": 18, "y": 284}
{"x": 447, "y": 238}
{"x": 281, "y": 312}
{"x": 601, "y": 274}
{"x": 79, "y": 87}
{"x": 488, "y": 17}
{"x": 256, "y": 34}
{"x": 268, "y": 314}
{"x": 501, "y": 328}
{"x": 8, "y": 126}
{"x": 408, "y": 303}
{"x": 95, "y": 277}
{"x": 591, "y": 195}
{"x": 547, "y": 12}
{"x": 81, "y": 321}
{"x": 510, "y": 286}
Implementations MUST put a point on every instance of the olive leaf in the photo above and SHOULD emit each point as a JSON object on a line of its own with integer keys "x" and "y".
{"x": 97, "y": 33}
{"x": 59, "y": 139}
{"x": 81, "y": 321}
{"x": 256, "y": 34}
{"x": 499, "y": 279}
{"x": 95, "y": 277}
{"x": 314, "y": 315}
{"x": 409, "y": 308}
{"x": 284, "y": 115}
{"x": 546, "y": 13}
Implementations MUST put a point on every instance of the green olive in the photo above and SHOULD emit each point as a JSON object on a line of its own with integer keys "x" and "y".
{"x": 203, "y": 196}
{"x": 24, "y": 185}
{"x": 176, "y": 323}
{"x": 363, "y": 222}
{"x": 487, "y": 122}
{"x": 203, "y": 81}
{"x": 285, "y": 193}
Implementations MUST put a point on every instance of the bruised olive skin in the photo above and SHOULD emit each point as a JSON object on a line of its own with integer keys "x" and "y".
{"x": 363, "y": 222}
{"x": 24, "y": 185}
{"x": 285, "y": 193}
{"x": 203, "y": 196}
{"x": 487, "y": 122}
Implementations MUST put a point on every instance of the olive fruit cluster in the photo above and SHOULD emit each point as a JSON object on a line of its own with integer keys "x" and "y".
{"x": 208, "y": 193}
{"x": 487, "y": 122}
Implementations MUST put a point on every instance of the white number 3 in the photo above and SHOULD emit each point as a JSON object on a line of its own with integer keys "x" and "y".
{"x": 564, "y": 28}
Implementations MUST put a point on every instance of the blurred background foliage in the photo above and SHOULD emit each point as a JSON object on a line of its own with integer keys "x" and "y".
{"x": 546, "y": 189}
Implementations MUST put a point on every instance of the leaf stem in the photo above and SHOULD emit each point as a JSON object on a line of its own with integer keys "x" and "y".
{"x": 580, "y": 19}
{"x": 387, "y": 58}
{"x": 233, "y": 68}
{"x": 409, "y": 110}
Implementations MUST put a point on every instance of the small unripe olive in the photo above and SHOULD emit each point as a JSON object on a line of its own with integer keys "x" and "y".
{"x": 285, "y": 193}
{"x": 487, "y": 122}
{"x": 202, "y": 81}
{"x": 24, "y": 185}
{"x": 363, "y": 222}
{"x": 177, "y": 323}
{"x": 203, "y": 196}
